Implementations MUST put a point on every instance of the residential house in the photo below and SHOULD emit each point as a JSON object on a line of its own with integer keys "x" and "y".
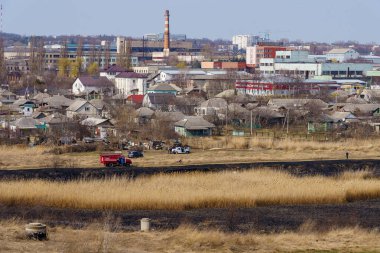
{"x": 41, "y": 98}
{"x": 28, "y": 108}
{"x": 238, "y": 114}
{"x": 93, "y": 86}
{"x": 193, "y": 126}
{"x": 101, "y": 107}
{"x": 370, "y": 96}
{"x": 38, "y": 115}
{"x": 112, "y": 72}
{"x": 101, "y": 128}
{"x": 56, "y": 103}
{"x": 143, "y": 115}
{"x": 60, "y": 125}
{"x": 131, "y": 83}
{"x": 82, "y": 109}
{"x": 7, "y": 97}
{"x": 165, "y": 88}
{"x": 267, "y": 116}
{"x": 361, "y": 109}
{"x": 27, "y": 126}
{"x": 168, "y": 117}
{"x": 213, "y": 106}
{"x": 159, "y": 101}
{"x": 346, "y": 117}
{"x": 294, "y": 103}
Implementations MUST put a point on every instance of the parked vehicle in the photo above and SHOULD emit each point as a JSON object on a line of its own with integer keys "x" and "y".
{"x": 135, "y": 154}
{"x": 96, "y": 139}
{"x": 157, "y": 145}
{"x": 66, "y": 141}
{"x": 88, "y": 140}
{"x": 114, "y": 159}
{"x": 180, "y": 150}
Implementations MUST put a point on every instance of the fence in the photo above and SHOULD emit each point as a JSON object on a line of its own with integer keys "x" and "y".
{"x": 264, "y": 139}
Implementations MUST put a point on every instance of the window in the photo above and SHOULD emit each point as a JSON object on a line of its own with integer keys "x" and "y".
{"x": 87, "y": 109}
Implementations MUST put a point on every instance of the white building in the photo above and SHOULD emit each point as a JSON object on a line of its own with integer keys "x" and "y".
{"x": 342, "y": 54}
{"x": 292, "y": 56}
{"x": 243, "y": 41}
{"x": 270, "y": 67}
{"x": 267, "y": 66}
{"x": 112, "y": 72}
{"x": 250, "y": 56}
{"x": 131, "y": 83}
{"x": 311, "y": 69}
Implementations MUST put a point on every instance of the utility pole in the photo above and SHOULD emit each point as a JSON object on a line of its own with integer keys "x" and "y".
{"x": 251, "y": 124}
{"x": 287, "y": 122}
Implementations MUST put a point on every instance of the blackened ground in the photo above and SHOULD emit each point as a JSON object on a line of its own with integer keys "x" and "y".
{"x": 299, "y": 168}
{"x": 365, "y": 214}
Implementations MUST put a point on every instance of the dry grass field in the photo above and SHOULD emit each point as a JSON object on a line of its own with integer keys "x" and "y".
{"x": 192, "y": 191}
{"x": 98, "y": 238}
{"x": 205, "y": 150}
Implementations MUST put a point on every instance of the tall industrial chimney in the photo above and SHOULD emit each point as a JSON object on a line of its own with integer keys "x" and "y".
{"x": 166, "y": 35}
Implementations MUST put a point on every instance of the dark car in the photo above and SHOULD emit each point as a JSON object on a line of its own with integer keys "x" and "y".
{"x": 157, "y": 145}
{"x": 135, "y": 154}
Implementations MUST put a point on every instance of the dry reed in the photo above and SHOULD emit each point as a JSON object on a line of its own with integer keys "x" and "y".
{"x": 286, "y": 144}
{"x": 191, "y": 191}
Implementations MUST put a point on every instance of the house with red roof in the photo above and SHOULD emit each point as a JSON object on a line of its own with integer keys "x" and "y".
{"x": 135, "y": 99}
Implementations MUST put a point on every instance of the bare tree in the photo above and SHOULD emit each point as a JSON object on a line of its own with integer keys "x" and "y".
{"x": 107, "y": 55}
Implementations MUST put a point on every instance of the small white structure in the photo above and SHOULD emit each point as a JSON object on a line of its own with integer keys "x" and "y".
{"x": 145, "y": 224}
{"x": 342, "y": 54}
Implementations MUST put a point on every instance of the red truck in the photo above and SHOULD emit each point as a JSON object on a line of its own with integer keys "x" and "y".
{"x": 114, "y": 159}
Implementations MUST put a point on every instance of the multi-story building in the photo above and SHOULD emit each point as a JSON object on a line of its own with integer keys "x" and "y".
{"x": 309, "y": 70}
{"x": 257, "y": 52}
{"x": 244, "y": 41}
{"x": 106, "y": 54}
{"x": 282, "y": 86}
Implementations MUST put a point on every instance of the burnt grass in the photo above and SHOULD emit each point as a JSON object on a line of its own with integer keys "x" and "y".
{"x": 265, "y": 219}
{"x": 364, "y": 214}
{"x": 299, "y": 168}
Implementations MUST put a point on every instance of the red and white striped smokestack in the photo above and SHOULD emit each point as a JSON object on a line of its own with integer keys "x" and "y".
{"x": 167, "y": 32}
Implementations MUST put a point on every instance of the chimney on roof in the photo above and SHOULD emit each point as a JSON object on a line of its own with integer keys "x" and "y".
{"x": 166, "y": 35}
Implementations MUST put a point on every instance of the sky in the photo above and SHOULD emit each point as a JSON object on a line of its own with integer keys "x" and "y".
{"x": 306, "y": 20}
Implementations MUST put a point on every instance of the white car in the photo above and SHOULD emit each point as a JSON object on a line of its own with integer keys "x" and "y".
{"x": 180, "y": 150}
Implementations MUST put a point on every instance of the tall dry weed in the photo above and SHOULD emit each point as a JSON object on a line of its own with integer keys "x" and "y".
{"x": 191, "y": 191}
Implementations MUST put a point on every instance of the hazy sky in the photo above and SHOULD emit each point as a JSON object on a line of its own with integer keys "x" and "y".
{"x": 308, "y": 20}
